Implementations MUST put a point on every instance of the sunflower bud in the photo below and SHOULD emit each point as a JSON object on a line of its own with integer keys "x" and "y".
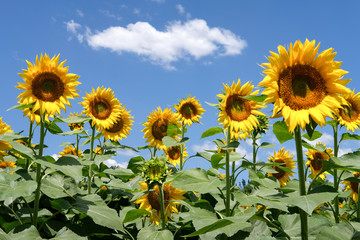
{"x": 155, "y": 171}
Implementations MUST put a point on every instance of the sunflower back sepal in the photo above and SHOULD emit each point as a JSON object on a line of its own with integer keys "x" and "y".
{"x": 155, "y": 171}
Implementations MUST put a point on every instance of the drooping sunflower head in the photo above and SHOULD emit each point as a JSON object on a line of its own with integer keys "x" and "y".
{"x": 35, "y": 116}
{"x": 4, "y": 145}
{"x": 48, "y": 85}
{"x": 314, "y": 160}
{"x": 76, "y": 126}
{"x": 102, "y": 106}
{"x": 156, "y": 126}
{"x": 173, "y": 155}
{"x": 302, "y": 84}
{"x": 189, "y": 111}
{"x": 349, "y": 114}
{"x": 69, "y": 149}
{"x": 155, "y": 170}
{"x": 354, "y": 187}
{"x": 283, "y": 158}
{"x": 121, "y": 128}
{"x": 236, "y": 112}
{"x": 151, "y": 201}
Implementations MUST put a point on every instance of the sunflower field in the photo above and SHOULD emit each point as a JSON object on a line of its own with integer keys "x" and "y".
{"x": 312, "y": 195}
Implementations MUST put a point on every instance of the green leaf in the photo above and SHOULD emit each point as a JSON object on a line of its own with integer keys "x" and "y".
{"x": 310, "y": 127}
{"x": 29, "y": 233}
{"x": 348, "y": 136}
{"x": 65, "y": 234}
{"x": 315, "y": 135}
{"x": 349, "y": 161}
{"x": 204, "y": 155}
{"x": 170, "y": 142}
{"x": 212, "y": 104}
{"x": 74, "y": 132}
{"x": 215, "y": 160}
{"x": 11, "y": 191}
{"x": 340, "y": 231}
{"x": 211, "y": 131}
{"x": 53, "y": 128}
{"x": 20, "y": 106}
{"x": 72, "y": 119}
{"x": 115, "y": 145}
{"x": 281, "y": 131}
{"x": 173, "y": 130}
{"x": 135, "y": 163}
{"x": 317, "y": 147}
{"x": 216, "y": 225}
{"x": 266, "y": 145}
{"x": 231, "y": 145}
{"x": 332, "y": 123}
{"x": 153, "y": 234}
{"x": 122, "y": 173}
{"x": 135, "y": 214}
{"x": 256, "y": 98}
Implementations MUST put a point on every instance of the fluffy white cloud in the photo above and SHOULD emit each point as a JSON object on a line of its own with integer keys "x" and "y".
{"x": 112, "y": 162}
{"x": 178, "y": 41}
{"x": 73, "y": 27}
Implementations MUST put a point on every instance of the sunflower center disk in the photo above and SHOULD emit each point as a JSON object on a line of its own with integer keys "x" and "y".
{"x": 174, "y": 153}
{"x": 159, "y": 129}
{"x": 47, "y": 86}
{"x": 154, "y": 199}
{"x": 301, "y": 87}
{"x": 280, "y": 173}
{"x": 237, "y": 108}
{"x": 316, "y": 163}
{"x": 117, "y": 126}
{"x": 349, "y": 113}
{"x": 188, "y": 110}
{"x": 101, "y": 109}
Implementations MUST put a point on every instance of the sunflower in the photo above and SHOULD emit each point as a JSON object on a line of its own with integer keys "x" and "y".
{"x": 102, "y": 106}
{"x": 285, "y": 160}
{"x": 75, "y": 126}
{"x": 48, "y": 85}
{"x": 150, "y": 201}
{"x": 121, "y": 128}
{"x": 354, "y": 187}
{"x": 314, "y": 162}
{"x": 349, "y": 114}
{"x": 239, "y": 135}
{"x": 4, "y": 145}
{"x": 5, "y": 164}
{"x": 189, "y": 111}
{"x": 156, "y": 126}
{"x": 35, "y": 116}
{"x": 98, "y": 150}
{"x": 173, "y": 155}
{"x": 302, "y": 85}
{"x": 237, "y": 112}
{"x": 70, "y": 150}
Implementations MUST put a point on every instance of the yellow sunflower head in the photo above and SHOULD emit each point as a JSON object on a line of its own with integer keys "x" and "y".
{"x": 173, "y": 155}
{"x": 314, "y": 161}
{"x": 354, "y": 187}
{"x": 189, "y": 111}
{"x": 349, "y": 114}
{"x": 236, "y": 112}
{"x": 48, "y": 85}
{"x": 4, "y": 145}
{"x": 75, "y": 126}
{"x": 150, "y": 201}
{"x": 102, "y": 106}
{"x": 5, "y": 164}
{"x": 70, "y": 150}
{"x": 239, "y": 135}
{"x": 35, "y": 116}
{"x": 302, "y": 84}
{"x": 121, "y": 128}
{"x": 156, "y": 126}
{"x": 285, "y": 160}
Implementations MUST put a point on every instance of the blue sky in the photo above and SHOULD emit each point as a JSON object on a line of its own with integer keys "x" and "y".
{"x": 155, "y": 52}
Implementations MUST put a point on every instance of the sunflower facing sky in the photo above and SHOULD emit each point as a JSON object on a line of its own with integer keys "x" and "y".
{"x": 314, "y": 162}
{"x": 48, "y": 85}
{"x": 121, "y": 128}
{"x": 302, "y": 84}
{"x": 102, "y": 106}
{"x": 349, "y": 115}
{"x": 173, "y": 155}
{"x": 285, "y": 159}
{"x": 236, "y": 112}
{"x": 150, "y": 201}
{"x": 4, "y": 145}
{"x": 189, "y": 111}
{"x": 354, "y": 187}
{"x": 156, "y": 126}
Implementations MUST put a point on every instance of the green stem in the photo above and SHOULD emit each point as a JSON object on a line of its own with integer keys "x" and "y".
{"x": 228, "y": 184}
{"x": 300, "y": 164}
{"x": 77, "y": 145}
{"x": 336, "y": 184}
{"x": 254, "y": 150}
{"x": 182, "y": 146}
{"x": 38, "y": 171}
{"x": 91, "y": 157}
{"x": 162, "y": 206}
{"x": 29, "y": 143}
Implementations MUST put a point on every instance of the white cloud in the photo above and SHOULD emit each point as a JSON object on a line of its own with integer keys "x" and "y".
{"x": 114, "y": 163}
{"x": 179, "y": 41}
{"x": 127, "y": 153}
{"x": 80, "y": 13}
{"x": 180, "y": 8}
{"x": 326, "y": 139}
{"x": 206, "y": 145}
{"x": 343, "y": 151}
{"x": 55, "y": 156}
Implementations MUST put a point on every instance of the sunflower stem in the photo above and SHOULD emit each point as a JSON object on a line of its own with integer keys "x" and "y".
{"x": 29, "y": 143}
{"x": 336, "y": 180}
{"x": 38, "y": 170}
{"x": 254, "y": 150}
{"x": 182, "y": 146}
{"x": 228, "y": 185}
{"x": 162, "y": 206}
{"x": 77, "y": 145}
{"x": 91, "y": 157}
{"x": 300, "y": 164}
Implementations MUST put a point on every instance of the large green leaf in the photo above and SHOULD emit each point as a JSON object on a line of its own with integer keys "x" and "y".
{"x": 315, "y": 135}
{"x": 348, "y": 136}
{"x": 256, "y": 98}
{"x": 260, "y": 231}
{"x": 73, "y": 119}
{"x": 96, "y": 208}
{"x": 349, "y": 161}
{"x": 211, "y": 131}
{"x": 56, "y": 186}
{"x": 135, "y": 214}
{"x": 340, "y": 231}
{"x": 150, "y": 233}
{"x": 65, "y": 234}
{"x": 29, "y": 233}
{"x": 216, "y": 225}
{"x": 122, "y": 173}
{"x": 281, "y": 131}
{"x": 11, "y": 191}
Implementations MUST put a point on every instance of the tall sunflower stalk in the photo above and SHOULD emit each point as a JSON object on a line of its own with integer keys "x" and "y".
{"x": 91, "y": 156}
